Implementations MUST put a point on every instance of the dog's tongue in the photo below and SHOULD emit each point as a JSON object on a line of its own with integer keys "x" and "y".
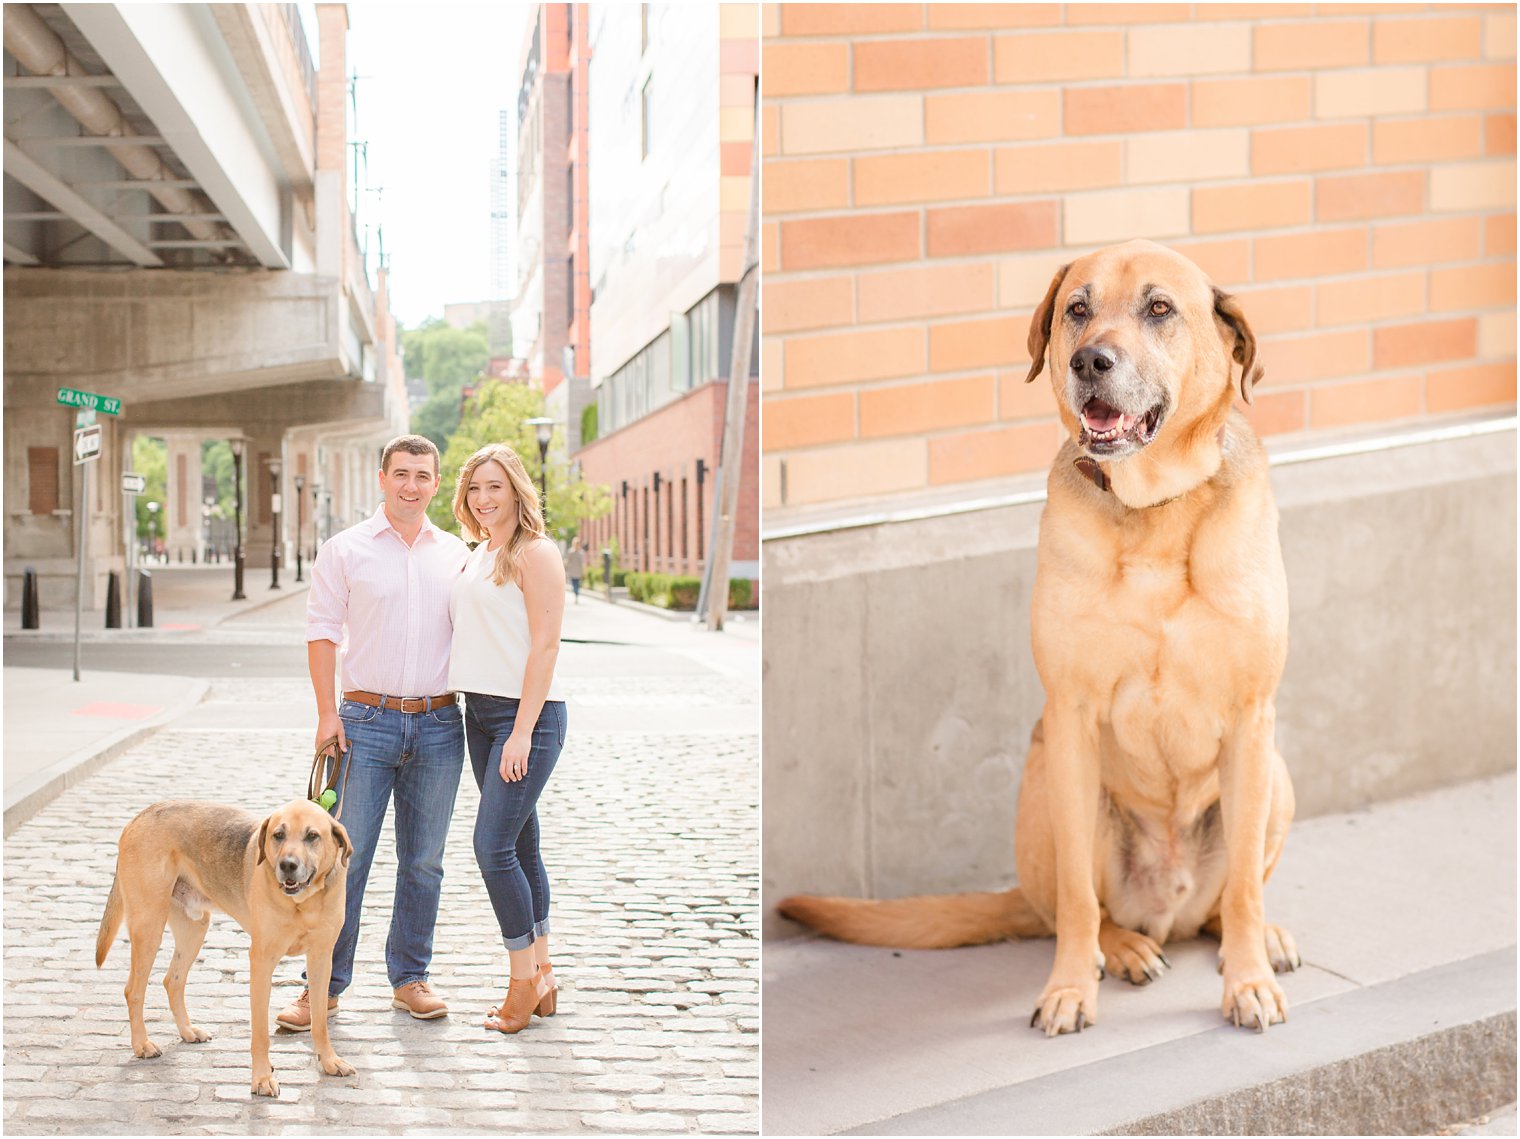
{"x": 1099, "y": 417}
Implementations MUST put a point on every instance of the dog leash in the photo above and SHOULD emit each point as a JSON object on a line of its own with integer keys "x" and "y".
{"x": 327, "y": 769}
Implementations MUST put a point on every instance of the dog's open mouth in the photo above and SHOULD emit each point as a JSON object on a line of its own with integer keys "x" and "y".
{"x": 293, "y": 886}
{"x": 1106, "y": 429}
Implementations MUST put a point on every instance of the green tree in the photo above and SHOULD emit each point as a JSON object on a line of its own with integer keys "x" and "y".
{"x": 497, "y": 414}
{"x": 447, "y": 359}
{"x": 150, "y": 458}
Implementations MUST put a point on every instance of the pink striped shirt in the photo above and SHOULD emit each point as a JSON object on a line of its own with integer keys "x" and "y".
{"x": 394, "y": 598}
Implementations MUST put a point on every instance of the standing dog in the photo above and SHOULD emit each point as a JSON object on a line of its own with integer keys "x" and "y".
{"x": 282, "y": 879}
{"x": 1154, "y": 802}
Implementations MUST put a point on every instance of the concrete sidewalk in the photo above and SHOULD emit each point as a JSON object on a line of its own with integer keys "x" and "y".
{"x": 1402, "y": 1018}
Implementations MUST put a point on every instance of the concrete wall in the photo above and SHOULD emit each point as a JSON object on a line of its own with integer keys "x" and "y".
{"x": 900, "y": 689}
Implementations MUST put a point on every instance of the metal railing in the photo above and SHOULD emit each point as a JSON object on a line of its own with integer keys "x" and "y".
{"x": 291, "y": 14}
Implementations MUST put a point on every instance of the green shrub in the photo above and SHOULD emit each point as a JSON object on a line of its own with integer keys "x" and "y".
{"x": 741, "y": 593}
{"x": 684, "y": 592}
{"x": 588, "y": 424}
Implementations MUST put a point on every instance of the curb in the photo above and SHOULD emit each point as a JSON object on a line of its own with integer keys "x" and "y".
{"x": 40, "y": 789}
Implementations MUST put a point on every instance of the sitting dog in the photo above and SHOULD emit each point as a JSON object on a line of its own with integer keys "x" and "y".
{"x": 1154, "y": 802}
{"x": 282, "y": 879}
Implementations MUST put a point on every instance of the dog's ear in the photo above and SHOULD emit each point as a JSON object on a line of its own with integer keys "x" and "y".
{"x": 263, "y": 838}
{"x": 1239, "y": 338}
{"x": 340, "y": 837}
{"x": 1039, "y": 325}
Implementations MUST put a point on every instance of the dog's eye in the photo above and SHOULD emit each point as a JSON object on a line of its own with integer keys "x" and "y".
{"x": 1160, "y": 308}
{"x": 279, "y": 835}
{"x": 312, "y": 836}
{"x": 1077, "y": 308}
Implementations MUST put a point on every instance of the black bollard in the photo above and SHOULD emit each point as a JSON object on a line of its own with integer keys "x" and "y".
{"x": 113, "y": 600}
{"x": 31, "y": 608}
{"x": 144, "y": 599}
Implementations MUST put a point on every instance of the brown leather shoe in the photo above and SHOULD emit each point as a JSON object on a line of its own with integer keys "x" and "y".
{"x": 550, "y": 990}
{"x": 297, "y": 1014}
{"x": 419, "y": 999}
{"x": 517, "y": 1010}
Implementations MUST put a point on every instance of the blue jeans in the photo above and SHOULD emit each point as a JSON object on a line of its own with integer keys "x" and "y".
{"x": 420, "y": 756}
{"x": 506, "y": 827}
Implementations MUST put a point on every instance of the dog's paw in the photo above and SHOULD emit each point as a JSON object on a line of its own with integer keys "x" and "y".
{"x": 1065, "y": 1009}
{"x": 266, "y": 1085}
{"x": 1133, "y": 956}
{"x": 195, "y": 1035}
{"x": 1254, "y": 1002}
{"x": 1281, "y": 950}
{"x": 335, "y": 1066}
{"x": 147, "y": 1050}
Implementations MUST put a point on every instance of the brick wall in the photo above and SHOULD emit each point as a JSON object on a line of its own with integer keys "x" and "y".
{"x": 1348, "y": 170}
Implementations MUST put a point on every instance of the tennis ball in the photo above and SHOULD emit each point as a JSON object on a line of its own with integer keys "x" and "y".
{"x": 328, "y": 799}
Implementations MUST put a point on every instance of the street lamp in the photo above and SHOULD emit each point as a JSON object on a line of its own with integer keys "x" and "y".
{"x": 316, "y": 519}
{"x": 153, "y": 530}
{"x": 300, "y": 519}
{"x": 543, "y": 426}
{"x": 274, "y": 533}
{"x": 237, "y": 516}
{"x": 206, "y": 504}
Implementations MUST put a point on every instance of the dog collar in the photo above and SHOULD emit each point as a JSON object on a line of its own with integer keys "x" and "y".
{"x": 1093, "y": 471}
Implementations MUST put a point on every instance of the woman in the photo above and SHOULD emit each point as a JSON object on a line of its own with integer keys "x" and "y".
{"x": 507, "y": 608}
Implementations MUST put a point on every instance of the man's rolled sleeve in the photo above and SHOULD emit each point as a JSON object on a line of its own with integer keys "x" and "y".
{"x": 327, "y": 599}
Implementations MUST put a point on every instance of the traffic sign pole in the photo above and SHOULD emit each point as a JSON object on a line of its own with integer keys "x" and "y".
{"x": 84, "y": 502}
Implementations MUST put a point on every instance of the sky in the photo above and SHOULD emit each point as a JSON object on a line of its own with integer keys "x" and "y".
{"x": 431, "y": 80}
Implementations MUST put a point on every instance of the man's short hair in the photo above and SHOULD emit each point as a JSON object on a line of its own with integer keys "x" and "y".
{"x": 412, "y": 445}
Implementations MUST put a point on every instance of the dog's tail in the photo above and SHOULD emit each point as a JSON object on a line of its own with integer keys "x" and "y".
{"x": 931, "y": 921}
{"x": 110, "y": 923}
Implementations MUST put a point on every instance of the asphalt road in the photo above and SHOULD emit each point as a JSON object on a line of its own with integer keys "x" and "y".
{"x": 178, "y": 659}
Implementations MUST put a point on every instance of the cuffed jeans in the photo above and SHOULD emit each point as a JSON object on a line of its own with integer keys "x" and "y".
{"x": 506, "y": 827}
{"x": 419, "y": 756}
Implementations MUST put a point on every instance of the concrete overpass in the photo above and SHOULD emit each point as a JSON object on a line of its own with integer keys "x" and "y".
{"x": 178, "y": 235}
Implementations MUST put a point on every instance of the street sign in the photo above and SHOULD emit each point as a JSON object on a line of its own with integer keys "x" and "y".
{"x": 132, "y": 483}
{"x": 84, "y": 417}
{"x": 110, "y": 405}
{"x": 86, "y": 444}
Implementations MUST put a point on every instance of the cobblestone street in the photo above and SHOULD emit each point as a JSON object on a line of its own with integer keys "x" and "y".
{"x": 651, "y": 839}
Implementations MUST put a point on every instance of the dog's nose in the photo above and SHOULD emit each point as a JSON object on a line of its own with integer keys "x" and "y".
{"x": 288, "y": 866}
{"x": 1093, "y": 360}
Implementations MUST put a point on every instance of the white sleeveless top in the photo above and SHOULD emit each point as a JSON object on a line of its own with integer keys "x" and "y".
{"x": 491, "y": 639}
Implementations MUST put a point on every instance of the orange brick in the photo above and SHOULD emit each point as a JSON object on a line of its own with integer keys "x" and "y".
{"x": 1277, "y": 413}
{"x": 770, "y": 246}
{"x": 854, "y": 470}
{"x": 912, "y": 409}
{"x": 1499, "y": 134}
{"x": 770, "y": 482}
{"x": 854, "y": 239}
{"x": 1365, "y": 300}
{"x": 921, "y": 176}
{"x": 1366, "y": 401}
{"x": 1309, "y": 46}
{"x": 1404, "y": 141}
{"x": 1228, "y": 262}
{"x": 1187, "y": 156}
{"x": 991, "y": 116}
{"x": 1299, "y": 150}
{"x": 1499, "y": 236}
{"x": 1473, "y": 286}
{"x": 1117, "y": 215}
{"x": 1123, "y": 109}
{"x": 1473, "y": 186}
{"x": 1282, "y": 308}
{"x": 1250, "y": 11}
{"x": 1053, "y": 167}
{"x": 806, "y": 421}
{"x": 849, "y": 19}
{"x": 1499, "y": 34}
{"x": 953, "y": 17}
{"x": 926, "y": 291}
{"x": 1427, "y": 39}
{"x": 1496, "y": 335}
{"x": 1372, "y": 91}
{"x": 806, "y": 184}
{"x": 1355, "y": 196}
{"x": 993, "y": 453}
{"x": 1024, "y": 278}
{"x": 1457, "y": 389}
{"x": 1427, "y": 342}
{"x": 1248, "y": 102}
{"x": 1251, "y": 206}
{"x": 1020, "y": 400}
{"x": 792, "y": 305}
{"x": 849, "y": 357}
{"x": 1317, "y": 356}
{"x": 908, "y": 65}
{"x": 770, "y": 130}
{"x": 1473, "y": 87}
{"x": 1197, "y": 48}
{"x": 770, "y": 20}
{"x": 956, "y": 231}
{"x": 1078, "y": 14}
{"x": 1425, "y": 242}
{"x": 966, "y": 344}
{"x": 875, "y": 122}
{"x": 804, "y": 69}
{"x": 1322, "y": 253}
{"x": 1055, "y": 57}
{"x": 772, "y": 369}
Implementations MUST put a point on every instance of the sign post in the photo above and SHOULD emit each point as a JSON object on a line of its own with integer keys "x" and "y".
{"x": 87, "y": 438}
{"x": 132, "y": 485}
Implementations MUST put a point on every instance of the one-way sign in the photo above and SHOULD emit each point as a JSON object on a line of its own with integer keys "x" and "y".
{"x": 86, "y": 444}
{"x": 132, "y": 483}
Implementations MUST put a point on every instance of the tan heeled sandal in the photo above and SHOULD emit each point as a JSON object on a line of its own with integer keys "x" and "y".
{"x": 516, "y": 1010}
{"x": 550, "y": 1000}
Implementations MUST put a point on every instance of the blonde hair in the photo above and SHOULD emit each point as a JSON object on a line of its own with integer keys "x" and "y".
{"x": 530, "y": 516}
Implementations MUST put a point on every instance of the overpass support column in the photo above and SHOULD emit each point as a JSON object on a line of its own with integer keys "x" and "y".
{"x": 181, "y": 516}
{"x": 263, "y": 448}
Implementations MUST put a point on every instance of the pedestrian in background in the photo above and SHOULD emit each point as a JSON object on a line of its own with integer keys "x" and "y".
{"x": 507, "y": 608}
{"x": 388, "y": 580}
{"x": 575, "y": 568}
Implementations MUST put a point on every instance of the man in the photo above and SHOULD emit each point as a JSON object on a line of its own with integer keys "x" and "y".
{"x": 388, "y": 579}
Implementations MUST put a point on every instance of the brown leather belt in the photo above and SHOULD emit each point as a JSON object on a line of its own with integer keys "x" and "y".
{"x": 401, "y": 703}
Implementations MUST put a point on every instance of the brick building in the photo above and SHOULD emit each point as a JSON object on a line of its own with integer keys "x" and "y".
{"x": 671, "y": 119}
